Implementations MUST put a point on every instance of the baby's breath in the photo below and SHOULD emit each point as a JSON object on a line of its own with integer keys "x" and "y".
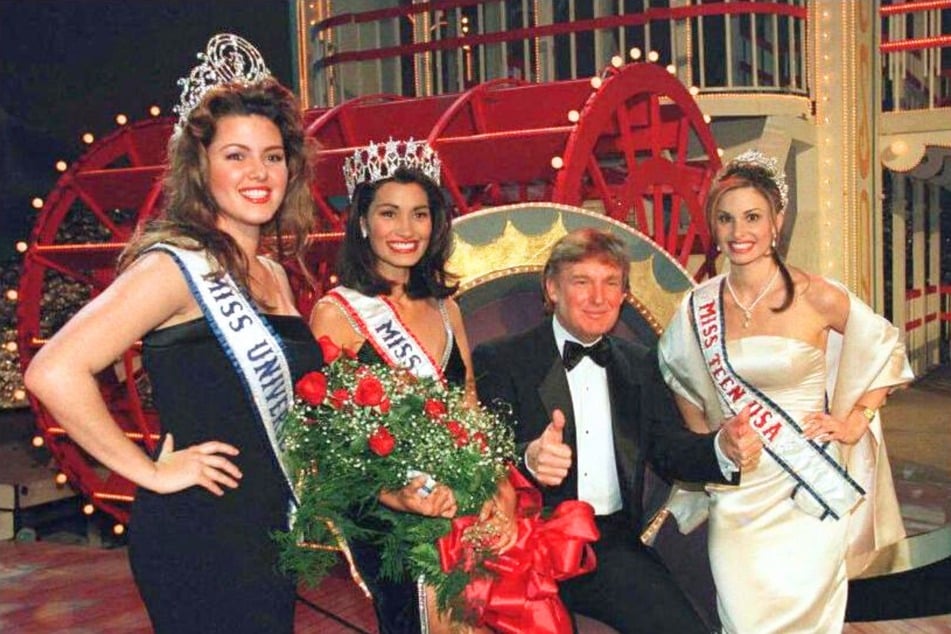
{"x": 339, "y": 475}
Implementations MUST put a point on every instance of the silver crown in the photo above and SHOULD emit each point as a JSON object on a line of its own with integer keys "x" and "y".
{"x": 379, "y": 160}
{"x": 227, "y": 59}
{"x": 768, "y": 163}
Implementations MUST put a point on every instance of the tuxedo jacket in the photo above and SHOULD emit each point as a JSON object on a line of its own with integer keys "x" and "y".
{"x": 523, "y": 378}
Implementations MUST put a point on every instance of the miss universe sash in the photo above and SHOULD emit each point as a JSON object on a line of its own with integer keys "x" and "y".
{"x": 376, "y": 319}
{"x": 252, "y": 347}
{"x": 823, "y": 487}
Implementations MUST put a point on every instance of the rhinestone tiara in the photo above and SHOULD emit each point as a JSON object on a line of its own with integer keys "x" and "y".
{"x": 380, "y": 160}
{"x": 768, "y": 163}
{"x": 227, "y": 59}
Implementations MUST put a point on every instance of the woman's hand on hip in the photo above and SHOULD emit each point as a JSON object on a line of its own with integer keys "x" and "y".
{"x": 204, "y": 465}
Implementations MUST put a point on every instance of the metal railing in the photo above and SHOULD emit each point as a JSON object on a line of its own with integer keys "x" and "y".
{"x": 916, "y": 69}
{"x": 446, "y": 46}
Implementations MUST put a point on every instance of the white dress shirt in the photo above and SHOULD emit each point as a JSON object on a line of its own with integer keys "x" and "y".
{"x": 594, "y": 437}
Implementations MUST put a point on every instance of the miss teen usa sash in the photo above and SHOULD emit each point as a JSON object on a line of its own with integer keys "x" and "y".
{"x": 252, "y": 347}
{"x": 376, "y": 319}
{"x": 823, "y": 487}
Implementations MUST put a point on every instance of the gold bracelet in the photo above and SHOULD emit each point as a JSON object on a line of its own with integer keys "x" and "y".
{"x": 867, "y": 412}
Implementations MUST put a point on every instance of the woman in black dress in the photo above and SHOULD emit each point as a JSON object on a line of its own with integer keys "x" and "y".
{"x": 190, "y": 286}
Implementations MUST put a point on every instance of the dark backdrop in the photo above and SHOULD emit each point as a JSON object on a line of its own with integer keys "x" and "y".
{"x": 70, "y": 66}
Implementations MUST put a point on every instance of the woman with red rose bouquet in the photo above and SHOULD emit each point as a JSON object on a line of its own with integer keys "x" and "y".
{"x": 394, "y": 312}
{"x": 395, "y": 295}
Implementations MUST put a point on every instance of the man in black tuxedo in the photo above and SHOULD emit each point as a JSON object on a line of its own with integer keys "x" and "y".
{"x": 589, "y": 411}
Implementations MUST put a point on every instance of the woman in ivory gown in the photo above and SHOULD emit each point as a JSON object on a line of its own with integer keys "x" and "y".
{"x": 754, "y": 341}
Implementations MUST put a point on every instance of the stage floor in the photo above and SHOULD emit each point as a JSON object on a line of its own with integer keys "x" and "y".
{"x": 50, "y": 587}
{"x": 47, "y": 586}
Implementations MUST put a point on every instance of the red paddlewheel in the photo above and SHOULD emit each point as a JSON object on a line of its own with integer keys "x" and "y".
{"x": 85, "y": 221}
{"x": 643, "y": 150}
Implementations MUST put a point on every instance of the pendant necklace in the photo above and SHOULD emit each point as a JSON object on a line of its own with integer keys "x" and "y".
{"x": 748, "y": 310}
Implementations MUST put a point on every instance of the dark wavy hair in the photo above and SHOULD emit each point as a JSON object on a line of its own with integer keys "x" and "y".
{"x": 585, "y": 244}
{"x": 356, "y": 261}
{"x": 189, "y": 211}
{"x": 739, "y": 175}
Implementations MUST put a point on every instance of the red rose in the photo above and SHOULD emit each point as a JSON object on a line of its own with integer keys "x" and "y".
{"x": 459, "y": 433}
{"x": 434, "y": 409}
{"x": 312, "y": 387}
{"x": 385, "y": 406}
{"x": 369, "y": 392}
{"x": 382, "y": 442}
{"x": 482, "y": 441}
{"x": 339, "y": 397}
{"x": 350, "y": 354}
{"x": 328, "y": 349}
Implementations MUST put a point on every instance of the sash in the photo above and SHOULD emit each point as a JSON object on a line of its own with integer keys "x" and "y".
{"x": 253, "y": 348}
{"x": 377, "y": 320}
{"x": 823, "y": 487}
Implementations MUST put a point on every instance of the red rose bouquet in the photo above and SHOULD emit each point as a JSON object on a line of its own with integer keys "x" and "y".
{"x": 356, "y": 429}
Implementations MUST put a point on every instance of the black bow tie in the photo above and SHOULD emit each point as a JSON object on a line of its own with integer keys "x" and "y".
{"x": 600, "y": 353}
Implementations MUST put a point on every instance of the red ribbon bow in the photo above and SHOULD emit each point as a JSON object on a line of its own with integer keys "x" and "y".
{"x": 521, "y": 593}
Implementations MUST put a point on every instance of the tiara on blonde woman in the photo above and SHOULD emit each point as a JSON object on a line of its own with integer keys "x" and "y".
{"x": 380, "y": 160}
{"x": 770, "y": 165}
{"x": 227, "y": 59}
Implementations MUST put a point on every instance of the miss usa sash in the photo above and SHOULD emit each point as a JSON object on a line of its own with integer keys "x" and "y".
{"x": 376, "y": 319}
{"x": 823, "y": 487}
{"x": 252, "y": 347}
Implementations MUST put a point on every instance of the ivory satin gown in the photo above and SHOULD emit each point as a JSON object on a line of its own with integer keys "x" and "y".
{"x": 777, "y": 568}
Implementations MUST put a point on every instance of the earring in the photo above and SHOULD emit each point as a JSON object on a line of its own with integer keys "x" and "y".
{"x": 363, "y": 231}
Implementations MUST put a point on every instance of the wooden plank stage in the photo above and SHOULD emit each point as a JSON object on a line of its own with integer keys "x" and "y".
{"x": 46, "y": 586}
{"x": 50, "y": 587}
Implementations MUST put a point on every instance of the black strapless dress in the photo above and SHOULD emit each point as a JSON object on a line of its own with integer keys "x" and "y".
{"x": 205, "y": 563}
{"x": 396, "y": 604}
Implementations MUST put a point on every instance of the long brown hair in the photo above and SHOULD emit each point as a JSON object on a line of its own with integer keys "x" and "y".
{"x": 740, "y": 175}
{"x": 189, "y": 210}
